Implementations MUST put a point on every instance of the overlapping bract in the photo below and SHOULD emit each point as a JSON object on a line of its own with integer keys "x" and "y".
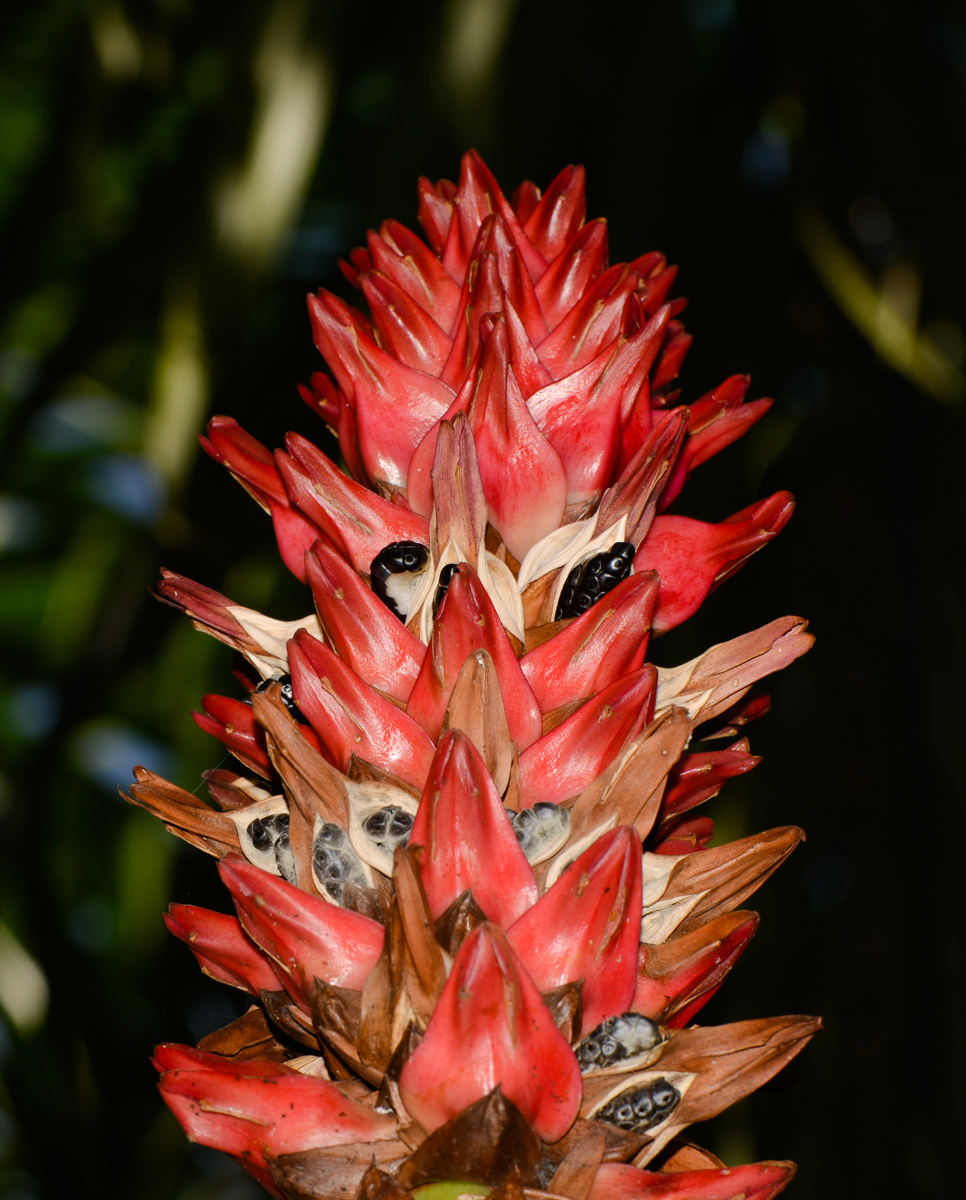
{"x": 474, "y": 902}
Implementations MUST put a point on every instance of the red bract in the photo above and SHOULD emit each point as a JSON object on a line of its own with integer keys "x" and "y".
{"x": 523, "y": 478}
{"x": 467, "y": 621}
{"x": 564, "y": 761}
{"x": 363, "y": 632}
{"x": 587, "y": 926}
{"x": 758, "y": 1181}
{"x": 394, "y": 404}
{"x": 716, "y": 421}
{"x": 221, "y": 948}
{"x": 698, "y": 777}
{"x": 692, "y": 557}
{"x": 254, "y": 1109}
{"x": 233, "y": 722}
{"x": 491, "y": 1028}
{"x": 678, "y": 978}
{"x": 605, "y": 644}
{"x": 353, "y": 719}
{"x": 305, "y": 936}
{"x": 357, "y": 521}
{"x": 254, "y": 468}
{"x": 467, "y": 841}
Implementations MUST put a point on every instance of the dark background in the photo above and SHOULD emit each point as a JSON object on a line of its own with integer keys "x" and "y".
{"x": 174, "y": 176}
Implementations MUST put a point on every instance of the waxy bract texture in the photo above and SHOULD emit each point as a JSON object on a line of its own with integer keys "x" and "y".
{"x": 476, "y": 910}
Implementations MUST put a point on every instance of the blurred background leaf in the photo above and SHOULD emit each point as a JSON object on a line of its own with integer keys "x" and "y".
{"x": 174, "y": 176}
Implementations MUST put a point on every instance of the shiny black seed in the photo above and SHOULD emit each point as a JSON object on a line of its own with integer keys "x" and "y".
{"x": 537, "y": 824}
{"x": 261, "y": 838}
{"x": 616, "y": 1039}
{"x": 265, "y": 831}
{"x": 330, "y": 835}
{"x": 445, "y": 576}
{"x": 396, "y": 559}
{"x": 588, "y": 581}
{"x": 641, "y": 1108}
{"x": 331, "y": 868}
{"x": 401, "y": 556}
{"x": 389, "y": 826}
{"x": 334, "y": 861}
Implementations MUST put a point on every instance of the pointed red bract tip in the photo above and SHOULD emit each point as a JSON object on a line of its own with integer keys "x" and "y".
{"x": 366, "y": 635}
{"x": 467, "y": 621}
{"x": 223, "y": 951}
{"x": 676, "y": 979}
{"x": 304, "y": 936}
{"x": 693, "y": 557}
{"x": 492, "y": 1029}
{"x": 523, "y": 478}
{"x": 247, "y": 459}
{"x": 233, "y": 723}
{"x": 608, "y": 642}
{"x": 351, "y": 718}
{"x": 394, "y": 404}
{"x": 757, "y": 1181}
{"x": 255, "y": 1109}
{"x": 355, "y": 519}
{"x": 588, "y": 926}
{"x": 565, "y": 760}
{"x": 467, "y": 840}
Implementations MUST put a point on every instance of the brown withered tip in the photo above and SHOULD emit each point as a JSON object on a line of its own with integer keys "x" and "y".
{"x": 489, "y": 1142}
{"x": 289, "y": 1018}
{"x": 731, "y": 1061}
{"x": 336, "y": 1009}
{"x": 340, "y": 1172}
{"x": 184, "y": 814}
{"x": 567, "y": 1008}
{"x": 457, "y": 922}
{"x": 377, "y": 1185}
{"x": 249, "y": 1037}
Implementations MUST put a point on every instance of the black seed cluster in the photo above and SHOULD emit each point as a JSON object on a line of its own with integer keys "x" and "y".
{"x": 616, "y": 1039}
{"x": 265, "y": 831}
{"x": 538, "y": 824}
{"x": 389, "y": 826}
{"x": 398, "y": 558}
{"x": 445, "y": 576}
{"x": 335, "y": 861}
{"x": 588, "y": 581}
{"x": 641, "y": 1108}
{"x": 288, "y": 697}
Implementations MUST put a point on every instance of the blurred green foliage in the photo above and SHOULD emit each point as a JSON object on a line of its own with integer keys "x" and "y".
{"x": 158, "y": 235}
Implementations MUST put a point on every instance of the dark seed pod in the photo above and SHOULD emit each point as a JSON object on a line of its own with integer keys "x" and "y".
{"x": 641, "y": 1108}
{"x": 265, "y": 831}
{"x": 617, "y": 1039}
{"x": 590, "y": 580}
{"x": 288, "y": 697}
{"x": 335, "y": 863}
{"x": 445, "y": 576}
{"x": 389, "y": 826}
{"x": 395, "y": 573}
{"x": 541, "y": 829}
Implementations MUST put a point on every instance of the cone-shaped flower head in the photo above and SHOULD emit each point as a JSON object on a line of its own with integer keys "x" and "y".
{"x": 476, "y": 902}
